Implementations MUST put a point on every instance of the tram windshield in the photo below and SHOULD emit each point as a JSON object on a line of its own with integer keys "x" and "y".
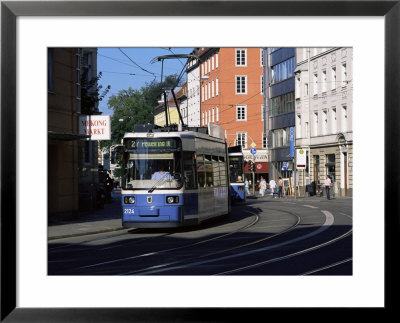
{"x": 152, "y": 163}
{"x": 236, "y": 169}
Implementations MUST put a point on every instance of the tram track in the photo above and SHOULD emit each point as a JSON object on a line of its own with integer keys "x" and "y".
{"x": 327, "y": 267}
{"x": 172, "y": 261}
{"x": 151, "y": 253}
{"x": 184, "y": 264}
{"x": 291, "y": 255}
{"x": 159, "y": 267}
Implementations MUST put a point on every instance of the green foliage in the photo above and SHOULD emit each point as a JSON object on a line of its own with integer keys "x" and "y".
{"x": 135, "y": 107}
{"x": 117, "y": 172}
{"x": 91, "y": 94}
{"x": 105, "y": 143}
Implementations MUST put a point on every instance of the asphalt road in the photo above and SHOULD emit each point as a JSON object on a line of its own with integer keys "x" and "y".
{"x": 266, "y": 236}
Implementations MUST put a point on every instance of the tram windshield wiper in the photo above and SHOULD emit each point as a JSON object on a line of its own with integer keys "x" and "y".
{"x": 158, "y": 182}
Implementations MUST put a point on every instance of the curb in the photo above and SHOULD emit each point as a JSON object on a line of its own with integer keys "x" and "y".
{"x": 83, "y": 233}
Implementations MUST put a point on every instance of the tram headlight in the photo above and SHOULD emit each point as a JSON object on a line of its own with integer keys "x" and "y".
{"x": 129, "y": 200}
{"x": 172, "y": 199}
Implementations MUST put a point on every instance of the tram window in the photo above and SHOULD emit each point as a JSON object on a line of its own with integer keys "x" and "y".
{"x": 189, "y": 170}
{"x": 222, "y": 171}
{"x": 201, "y": 173}
{"x": 215, "y": 169}
{"x": 208, "y": 170}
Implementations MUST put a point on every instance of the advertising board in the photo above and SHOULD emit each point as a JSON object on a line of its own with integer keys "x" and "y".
{"x": 97, "y": 126}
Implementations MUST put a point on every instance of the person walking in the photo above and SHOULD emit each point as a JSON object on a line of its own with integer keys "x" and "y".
{"x": 246, "y": 187}
{"x": 272, "y": 185}
{"x": 263, "y": 186}
{"x": 328, "y": 184}
{"x": 279, "y": 186}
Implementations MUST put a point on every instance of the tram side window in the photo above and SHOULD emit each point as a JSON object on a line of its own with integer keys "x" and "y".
{"x": 189, "y": 169}
{"x": 222, "y": 171}
{"x": 201, "y": 172}
{"x": 215, "y": 169}
{"x": 209, "y": 170}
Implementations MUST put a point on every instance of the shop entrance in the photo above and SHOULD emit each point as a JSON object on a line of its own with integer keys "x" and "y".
{"x": 330, "y": 166}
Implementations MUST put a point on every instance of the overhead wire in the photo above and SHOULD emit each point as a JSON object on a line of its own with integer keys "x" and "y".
{"x": 143, "y": 69}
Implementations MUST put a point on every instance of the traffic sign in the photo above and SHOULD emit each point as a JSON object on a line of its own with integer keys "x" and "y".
{"x": 253, "y": 144}
{"x": 253, "y": 151}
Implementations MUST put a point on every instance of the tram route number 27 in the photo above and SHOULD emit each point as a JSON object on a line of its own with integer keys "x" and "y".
{"x": 129, "y": 211}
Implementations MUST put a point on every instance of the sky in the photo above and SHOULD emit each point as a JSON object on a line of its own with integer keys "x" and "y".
{"x": 131, "y": 67}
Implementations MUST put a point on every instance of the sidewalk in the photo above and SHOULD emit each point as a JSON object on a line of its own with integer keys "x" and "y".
{"x": 90, "y": 222}
{"x": 301, "y": 197}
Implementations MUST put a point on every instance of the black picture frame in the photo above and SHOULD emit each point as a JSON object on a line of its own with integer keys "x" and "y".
{"x": 10, "y": 10}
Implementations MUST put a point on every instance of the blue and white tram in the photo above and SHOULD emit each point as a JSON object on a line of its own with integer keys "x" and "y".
{"x": 236, "y": 174}
{"x": 171, "y": 179}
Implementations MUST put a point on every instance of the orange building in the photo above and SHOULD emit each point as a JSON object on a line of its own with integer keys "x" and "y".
{"x": 232, "y": 97}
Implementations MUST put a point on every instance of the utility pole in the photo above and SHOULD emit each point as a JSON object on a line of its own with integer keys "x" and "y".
{"x": 266, "y": 91}
{"x": 292, "y": 139}
{"x": 266, "y": 97}
{"x": 292, "y": 154}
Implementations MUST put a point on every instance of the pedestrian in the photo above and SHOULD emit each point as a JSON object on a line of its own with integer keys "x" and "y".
{"x": 263, "y": 186}
{"x": 328, "y": 184}
{"x": 279, "y": 185}
{"x": 272, "y": 185}
{"x": 109, "y": 187}
{"x": 246, "y": 187}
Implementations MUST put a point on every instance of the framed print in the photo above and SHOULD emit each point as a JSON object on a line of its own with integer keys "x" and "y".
{"x": 106, "y": 20}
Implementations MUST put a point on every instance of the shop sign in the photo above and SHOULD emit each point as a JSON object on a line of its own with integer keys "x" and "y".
{"x": 97, "y": 126}
{"x": 301, "y": 158}
{"x": 261, "y": 155}
{"x": 291, "y": 142}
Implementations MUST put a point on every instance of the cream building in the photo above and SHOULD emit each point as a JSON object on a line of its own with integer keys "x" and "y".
{"x": 193, "y": 92}
{"x": 324, "y": 109}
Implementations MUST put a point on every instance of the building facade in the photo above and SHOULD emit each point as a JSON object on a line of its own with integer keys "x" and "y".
{"x": 88, "y": 149}
{"x": 232, "y": 95}
{"x": 324, "y": 105}
{"x": 72, "y": 158}
{"x": 182, "y": 99}
{"x": 280, "y": 111}
{"x": 193, "y": 91}
{"x": 172, "y": 113}
{"x": 63, "y": 135}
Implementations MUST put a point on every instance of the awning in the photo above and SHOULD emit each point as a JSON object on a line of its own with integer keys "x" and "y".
{"x": 259, "y": 167}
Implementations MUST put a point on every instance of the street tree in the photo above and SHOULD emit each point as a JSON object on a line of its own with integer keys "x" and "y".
{"x": 131, "y": 107}
{"x": 92, "y": 93}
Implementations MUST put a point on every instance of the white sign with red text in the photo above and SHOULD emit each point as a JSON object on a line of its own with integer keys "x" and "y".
{"x": 301, "y": 158}
{"x": 98, "y": 126}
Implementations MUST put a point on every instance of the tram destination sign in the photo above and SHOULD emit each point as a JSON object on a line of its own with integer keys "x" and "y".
{"x": 151, "y": 144}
